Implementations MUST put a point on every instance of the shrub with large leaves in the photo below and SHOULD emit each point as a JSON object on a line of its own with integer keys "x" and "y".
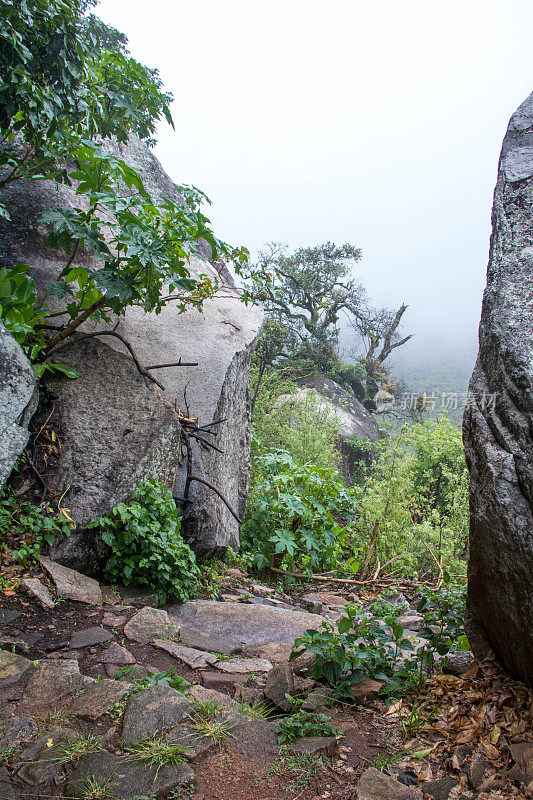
{"x": 297, "y": 514}
{"x": 146, "y": 545}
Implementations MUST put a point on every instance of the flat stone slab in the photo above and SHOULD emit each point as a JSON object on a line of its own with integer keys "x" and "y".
{"x": 189, "y": 655}
{"x": 116, "y": 654}
{"x": 89, "y": 637}
{"x": 53, "y": 682}
{"x": 39, "y": 592}
{"x": 71, "y": 584}
{"x": 42, "y": 759}
{"x": 150, "y": 712}
{"x": 196, "y": 746}
{"x": 98, "y": 698}
{"x": 204, "y": 695}
{"x": 149, "y": 624}
{"x": 244, "y": 623}
{"x": 244, "y": 665}
{"x": 376, "y": 785}
{"x": 211, "y": 642}
{"x": 12, "y": 668}
{"x": 125, "y": 778}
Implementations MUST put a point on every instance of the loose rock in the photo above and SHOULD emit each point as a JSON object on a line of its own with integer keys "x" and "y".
{"x": 376, "y": 785}
{"x": 12, "y": 668}
{"x": 71, "y": 584}
{"x": 98, "y": 698}
{"x": 89, "y": 637}
{"x": 280, "y": 682}
{"x": 149, "y": 624}
{"x": 193, "y": 658}
{"x": 244, "y": 665}
{"x": 38, "y": 590}
{"x": 150, "y": 712}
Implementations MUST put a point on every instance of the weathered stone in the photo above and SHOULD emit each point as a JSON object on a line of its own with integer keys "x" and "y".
{"x": 196, "y": 746}
{"x": 458, "y": 663}
{"x": 244, "y": 665}
{"x": 376, "y": 785}
{"x": 42, "y": 760}
{"x": 7, "y": 616}
{"x": 7, "y": 791}
{"x": 411, "y": 622}
{"x": 276, "y": 652}
{"x": 113, "y": 620}
{"x": 244, "y": 623}
{"x": 125, "y": 778}
{"x": 14, "y": 643}
{"x": 439, "y": 789}
{"x": 311, "y": 603}
{"x": 134, "y": 437}
{"x": 18, "y": 401}
{"x": 366, "y": 689}
{"x": 89, "y": 637}
{"x": 522, "y": 755}
{"x": 52, "y": 683}
{"x": 315, "y": 746}
{"x": 317, "y": 699}
{"x": 497, "y": 423}
{"x": 193, "y": 658}
{"x": 138, "y": 596}
{"x": 280, "y": 682}
{"x": 38, "y": 590}
{"x": 98, "y": 698}
{"x": 355, "y": 421}
{"x": 256, "y": 744}
{"x": 116, "y": 654}
{"x": 14, "y": 731}
{"x": 12, "y": 668}
{"x": 204, "y": 695}
{"x": 209, "y": 641}
{"x": 148, "y": 713}
{"x": 149, "y": 624}
{"x": 71, "y": 584}
{"x": 115, "y": 431}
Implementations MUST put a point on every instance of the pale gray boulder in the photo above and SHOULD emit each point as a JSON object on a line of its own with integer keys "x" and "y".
{"x": 357, "y": 427}
{"x": 18, "y": 401}
{"x": 221, "y": 340}
{"x": 498, "y": 428}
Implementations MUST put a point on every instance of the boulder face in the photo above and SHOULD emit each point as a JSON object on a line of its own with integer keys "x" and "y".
{"x": 357, "y": 425}
{"x": 498, "y": 428}
{"x": 220, "y": 339}
{"x": 18, "y": 401}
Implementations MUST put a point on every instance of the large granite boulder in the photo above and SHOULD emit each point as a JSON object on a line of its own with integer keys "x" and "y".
{"x": 221, "y": 340}
{"x": 357, "y": 427}
{"x": 498, "y": 427}
{"x": 18, "y": 401}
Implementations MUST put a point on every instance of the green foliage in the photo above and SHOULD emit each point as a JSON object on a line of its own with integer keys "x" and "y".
{"x": 157, "y": 753}
{"x": 297, "y": 770}
{"x": 146, "y": 544}
{"x": 301, "y": 425}
{"x": 363, "y": 645}
{"x": 293, "y": 514}
{"x": 304, "y": 723}
{"x": 67, "y": 88}
{"x": 26, "y": 528}
{"x": 418, "y": 492}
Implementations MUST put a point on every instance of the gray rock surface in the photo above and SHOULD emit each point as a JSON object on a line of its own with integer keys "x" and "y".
{"x": 356, "y": 424}
{"x": 497, "y": 422}
{"x": 18, "y": 401}
{"x": 376, "y": 785}
{"x": 53, "y": 682}
{"x": 150, "y": 712}
{"x": 280, "y": 682}
{"x": 220, "y": 339}
{"x": 72, "y": 584}
{"x": 115, "y": 431}
{"x": 12, "y": 668}
{"x": 248, "y": 624}
{"x": 39, "y": 592}
{"x": 150, "y": 623}
{"x": 98, "y": 698}
{"x": 129, "y": 778}
{"x": 189, "y": 655}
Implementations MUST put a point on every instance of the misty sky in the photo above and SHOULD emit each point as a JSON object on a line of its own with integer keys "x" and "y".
{"x": 379, "y": 124}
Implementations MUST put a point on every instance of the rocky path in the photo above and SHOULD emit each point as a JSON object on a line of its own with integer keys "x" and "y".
{"x": 103, "y": 696}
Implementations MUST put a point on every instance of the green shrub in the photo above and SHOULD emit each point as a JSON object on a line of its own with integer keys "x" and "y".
{"x": 294, "y": 514}
{"x": 301, "y": 426}
{"x": 418, "y": 492}
{"x": 146, "y": 544}
{"x": 363, "y": 645}
{"x": 304, "y": 723}
{"x": 25, "y": 528}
